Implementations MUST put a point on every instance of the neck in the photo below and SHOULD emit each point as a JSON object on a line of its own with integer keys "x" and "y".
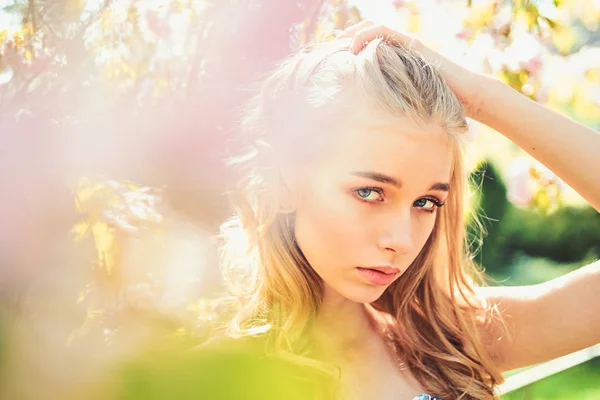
{"x": 341, "y": 324}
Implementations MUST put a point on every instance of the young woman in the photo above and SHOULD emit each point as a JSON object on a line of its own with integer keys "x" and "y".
{"x": 347, "y": 252}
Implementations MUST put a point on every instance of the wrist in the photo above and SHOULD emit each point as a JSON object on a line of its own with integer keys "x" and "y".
{"x": 486, "y": 90}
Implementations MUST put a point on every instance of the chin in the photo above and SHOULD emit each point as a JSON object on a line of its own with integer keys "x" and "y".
{"x": 364, "y": 294}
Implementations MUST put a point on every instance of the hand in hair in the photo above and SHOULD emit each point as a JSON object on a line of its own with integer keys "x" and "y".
{"x": 464, "y": 83}
{"x": 566, "y": 147}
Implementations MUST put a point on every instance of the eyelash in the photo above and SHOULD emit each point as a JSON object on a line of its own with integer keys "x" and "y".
{"x": 435, "y": 201}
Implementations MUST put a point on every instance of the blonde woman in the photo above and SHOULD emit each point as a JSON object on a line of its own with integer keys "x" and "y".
{"x": 347, "y": 252}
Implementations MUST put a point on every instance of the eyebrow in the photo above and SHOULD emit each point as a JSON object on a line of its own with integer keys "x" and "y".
{"x": 376, "y": 176}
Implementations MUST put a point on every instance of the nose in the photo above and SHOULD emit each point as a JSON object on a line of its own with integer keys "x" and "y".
{"x": 396, "y": 235}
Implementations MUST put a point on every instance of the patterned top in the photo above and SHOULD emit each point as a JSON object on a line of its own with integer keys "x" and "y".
{"x": 425, "y": 397}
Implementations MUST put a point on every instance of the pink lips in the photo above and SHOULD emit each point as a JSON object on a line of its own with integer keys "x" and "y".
{"x": 381, "y": 276}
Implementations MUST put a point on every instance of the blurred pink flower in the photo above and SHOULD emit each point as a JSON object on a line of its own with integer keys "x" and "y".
{"x": 520, "y": 191}
{"x": 534, "y": 64}
{"x": 156, "y": 24}
{"x": 526, "y": 177}
{"x": 464, "y": 34}
{"x": 524, "y": 53}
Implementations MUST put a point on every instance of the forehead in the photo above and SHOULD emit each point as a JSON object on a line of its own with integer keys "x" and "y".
{"x": 418, "y": 153}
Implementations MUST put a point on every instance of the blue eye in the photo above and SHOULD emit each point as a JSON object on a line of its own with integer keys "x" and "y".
{"x": 375, "y": 195}
{"x": 369, "y": 194}
{"x": 434, "y": 204}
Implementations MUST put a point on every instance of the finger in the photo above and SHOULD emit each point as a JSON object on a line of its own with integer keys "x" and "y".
{"x": 365, "y": 35}
{"x": 351, "y": 30}
{"x": 350, "y": 23}
{"x": 338, "y": 32}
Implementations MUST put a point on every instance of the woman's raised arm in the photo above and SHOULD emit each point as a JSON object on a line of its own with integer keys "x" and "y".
{"x": 544, "y": 321}
{"x": 566, "y": 147}
{"x": 560, "y": 316}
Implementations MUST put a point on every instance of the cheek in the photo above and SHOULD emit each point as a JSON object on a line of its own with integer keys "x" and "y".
{"x": 421, "y": 235}
{"x": 423, "y": 231}
{"x": 325, "y": 228}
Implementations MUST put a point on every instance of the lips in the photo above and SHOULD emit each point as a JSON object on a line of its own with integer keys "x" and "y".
{"x": 381, "y": 276}
{"x": 384, "y": 269}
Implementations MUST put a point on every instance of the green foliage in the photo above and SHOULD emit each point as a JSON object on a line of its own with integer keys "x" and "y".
{"x": 566, "y": 235}
{"x": 576, "y": 383}
{"x": 491, "y": 210}
{"x": 214, "y": 373}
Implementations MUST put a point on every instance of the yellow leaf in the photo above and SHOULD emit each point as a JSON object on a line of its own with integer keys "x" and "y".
{"x": 73, "y": 8}
{"x": 106, "y": 246}
{"x": 18, "y": 40}
{"x": 91, "y": 196}
{"x": 564, "y": 39}
{"x": 413, "y": 23}
{"x": 27, "y": 28}
{"x": 586, "y": 108}
{"x": 592, "y": 76}
{"x": 481, "y": 15}
{"x": 542, "y": 200}
{"x": 80, "y": 230}
{"x": 133, "y": 187}
{"x": 523, "y": 77}
{"x": 3, "y": 35}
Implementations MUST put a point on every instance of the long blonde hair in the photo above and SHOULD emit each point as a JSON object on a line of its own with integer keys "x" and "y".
{"x": 433, "y": 303}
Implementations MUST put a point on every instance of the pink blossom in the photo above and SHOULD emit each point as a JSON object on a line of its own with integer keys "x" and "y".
{"x": 520, "y": 191}
{"x": 157, "y": 25}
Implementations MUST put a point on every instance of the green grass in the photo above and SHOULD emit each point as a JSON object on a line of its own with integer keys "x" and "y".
{"x": 581, "y": 382}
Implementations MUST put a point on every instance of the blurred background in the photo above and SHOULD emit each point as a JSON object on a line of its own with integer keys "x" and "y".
{"x": 115, "y": 118}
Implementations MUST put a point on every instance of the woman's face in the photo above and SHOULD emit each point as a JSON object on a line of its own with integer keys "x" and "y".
{"x": 372, "y": 202}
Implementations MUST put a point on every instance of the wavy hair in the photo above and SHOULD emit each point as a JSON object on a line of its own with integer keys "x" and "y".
{"x": 432, "y": 309}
